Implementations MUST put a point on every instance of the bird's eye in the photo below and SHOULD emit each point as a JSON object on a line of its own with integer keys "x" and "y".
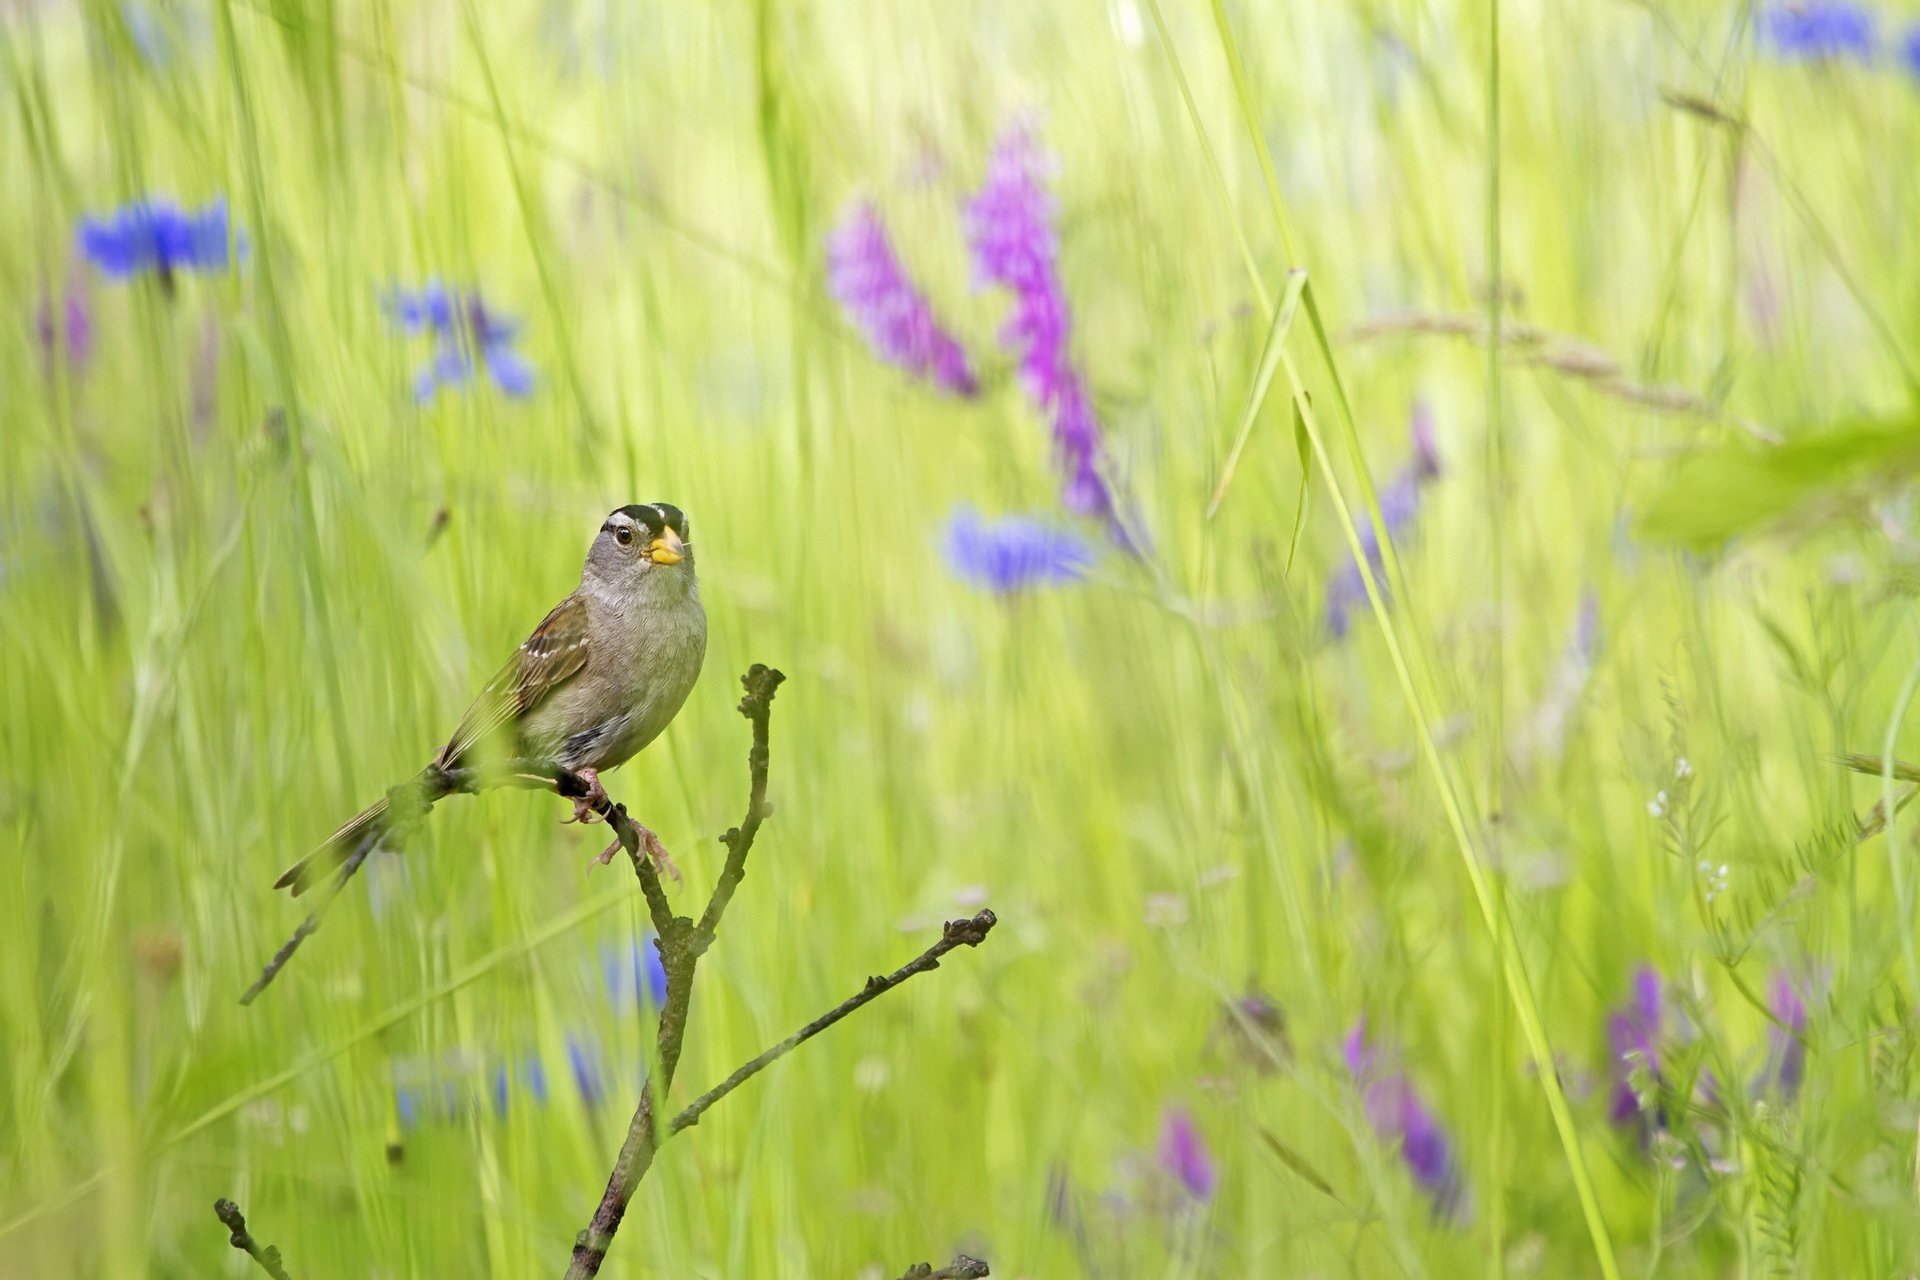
{"x": 623, "y": 536}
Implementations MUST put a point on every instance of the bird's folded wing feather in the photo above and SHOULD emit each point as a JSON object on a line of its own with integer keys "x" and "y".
{"x": 555, "y": 653}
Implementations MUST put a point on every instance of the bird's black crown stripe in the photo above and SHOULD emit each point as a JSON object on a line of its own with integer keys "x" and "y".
{"x": 648, "y": 517}
{"x": 675, "y": 518}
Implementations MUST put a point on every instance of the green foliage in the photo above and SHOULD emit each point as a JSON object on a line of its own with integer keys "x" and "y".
{"x": 247, "y": 583}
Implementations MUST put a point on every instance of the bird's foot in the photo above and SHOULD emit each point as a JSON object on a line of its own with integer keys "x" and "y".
{"x": 584, "y": 807}
{"x": 655, "y": 850}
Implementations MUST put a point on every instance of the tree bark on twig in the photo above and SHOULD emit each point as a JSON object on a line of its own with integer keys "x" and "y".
{"x": 267, "y": 1256}
{"x": 961, "y": 1268}
{"x": 682, "y": 943}
{"x": 957, "y": 933}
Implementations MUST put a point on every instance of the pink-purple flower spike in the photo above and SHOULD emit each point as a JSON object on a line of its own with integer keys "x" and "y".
{"x": 1009, "y": 224}
{"x": 865, "y": 276}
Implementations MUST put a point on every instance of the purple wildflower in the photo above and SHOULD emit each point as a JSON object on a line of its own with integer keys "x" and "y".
{"x": 1396, "y": 1112}
{"x": 1009, "y": 223}
{"x": 1013, "y": 553}
{"x": 1818, "y": 29}
{"x": 1786, "y": 1054}
{"x": 1909, "y": 51}
{"x": 461, "y": 326}
{"x": 1634, "y": 1031}
{"x": 1399, "y": 504}
{"x": 160, "y": 237}
{"x": 1184, "y": 1156}
{"x": 74, "y": 333}
{"x": 867, "y": 280}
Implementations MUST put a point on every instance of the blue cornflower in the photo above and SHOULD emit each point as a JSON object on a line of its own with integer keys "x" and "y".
{"x": 634, "y": 975}
{"x": 1909, "y": 51}
{"x": 158, "y": 236}
{"x": 461, "y": 326}
{"x": 1013, "y": 553}
{"x": 1819, "y": 29}
{"x": 588, "y": 1062}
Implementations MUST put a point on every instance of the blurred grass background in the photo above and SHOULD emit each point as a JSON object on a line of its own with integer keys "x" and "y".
{"x": 247, "y": 582}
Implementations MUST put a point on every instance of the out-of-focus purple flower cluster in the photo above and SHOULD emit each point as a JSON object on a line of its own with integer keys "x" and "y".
{"x": 462, "y": 327}
{"x": 1634, "y": 1032}
{"x": 1399, "y": 505}
{"x": 865, "y": 276}
{"x": 1184, "y": 1156}
{"x": 1013, "y": 553}
{"x": 1396, "y": 1113}
{"x": 1786, "y": 1067}
{"x": 1009, "y": 224}
{"x": 1641, "y": 1033}
{"x": 71, "y": 336}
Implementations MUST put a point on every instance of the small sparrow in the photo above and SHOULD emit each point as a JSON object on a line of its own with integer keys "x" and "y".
{"x": 597, "y": 680}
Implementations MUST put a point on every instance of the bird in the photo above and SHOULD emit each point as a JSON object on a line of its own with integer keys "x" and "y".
{"x": 599, "y": 679}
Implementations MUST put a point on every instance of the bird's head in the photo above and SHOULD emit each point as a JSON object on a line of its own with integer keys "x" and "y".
{"x": 641, "y": 542}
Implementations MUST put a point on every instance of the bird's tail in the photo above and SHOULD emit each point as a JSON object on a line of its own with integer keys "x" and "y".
{"x": 337, "y": 850}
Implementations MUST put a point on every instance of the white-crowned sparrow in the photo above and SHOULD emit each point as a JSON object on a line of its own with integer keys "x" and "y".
{"x": 597, "y": 680}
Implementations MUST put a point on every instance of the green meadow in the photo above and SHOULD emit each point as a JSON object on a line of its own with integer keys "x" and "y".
{"x": 1502, "y": 904}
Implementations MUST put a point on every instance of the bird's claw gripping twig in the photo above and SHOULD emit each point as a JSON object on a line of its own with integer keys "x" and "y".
{"x": 651, "y": 843}
{"x": 586, "y": 808}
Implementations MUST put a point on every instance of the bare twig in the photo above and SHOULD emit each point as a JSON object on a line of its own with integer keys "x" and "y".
{"x": 267, "y": 1256}
{"x": 681, "y": 943}
{"x": 958, "y": 933}
{"x": 1563, "y": 354}
{"x": 961, "y": 1268}
{"x": 407, "y": 807}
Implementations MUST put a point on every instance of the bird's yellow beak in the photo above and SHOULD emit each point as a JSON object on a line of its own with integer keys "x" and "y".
{"x": 667, "y": 548}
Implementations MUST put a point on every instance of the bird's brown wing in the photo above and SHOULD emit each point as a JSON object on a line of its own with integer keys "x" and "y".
{"x": 552, "y": 655}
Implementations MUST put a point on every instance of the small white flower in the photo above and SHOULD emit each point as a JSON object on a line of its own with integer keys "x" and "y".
{"x": 1682, "y": 769}
{"x": 1657, "y": 807}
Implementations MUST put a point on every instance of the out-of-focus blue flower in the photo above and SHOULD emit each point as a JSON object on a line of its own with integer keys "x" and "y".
{"x": 1909, "y": 51}
{"x": 72, "y": 335}
{"x": 462, "y": 328}
{"x": 1009, "y": 223}
{"x": 1816, "y": 29}
{"x": 1634, "y": 1031}
{"x": 588, "y": 1065}
{"x": 1399, "y": 504}
{"x": 1786, "y": 1055}
{"x": 1184, "y": 1156}
{"x": 634, "y": 975}
{"x": 865, "y": 276}
{"x": 1013, "y": 553}
{"x": 1396, "y": 1113}
{"x": 158, "y": 236}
